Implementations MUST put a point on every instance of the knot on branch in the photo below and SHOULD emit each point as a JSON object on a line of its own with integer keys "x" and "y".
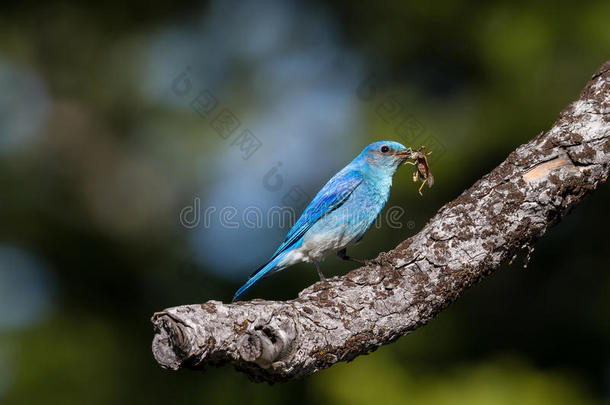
{"x": 170, "y": 345}
{"x": 267, "y": 344}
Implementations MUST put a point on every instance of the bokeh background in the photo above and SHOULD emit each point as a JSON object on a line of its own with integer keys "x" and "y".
{"x": 127, "y": 127}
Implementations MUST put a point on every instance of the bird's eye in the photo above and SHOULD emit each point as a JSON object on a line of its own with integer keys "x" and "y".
{"x": 385, "y": 149}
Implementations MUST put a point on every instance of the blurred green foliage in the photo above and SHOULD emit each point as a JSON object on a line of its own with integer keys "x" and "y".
{"x": 94, "y": 184}
{"x": 502, "y": 381}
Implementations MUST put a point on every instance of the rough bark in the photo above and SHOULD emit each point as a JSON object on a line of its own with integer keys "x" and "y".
{"x": 499, "y": 217}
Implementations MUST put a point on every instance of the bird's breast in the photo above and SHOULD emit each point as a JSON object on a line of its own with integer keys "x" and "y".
{"x": 346, "y": 224}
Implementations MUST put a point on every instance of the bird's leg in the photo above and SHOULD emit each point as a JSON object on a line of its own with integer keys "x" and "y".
{"x": 343, "y": 255}
{"x": 322, "y": 278}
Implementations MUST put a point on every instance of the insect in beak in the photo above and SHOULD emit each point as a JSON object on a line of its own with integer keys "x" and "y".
{"x": 422, "y": 169}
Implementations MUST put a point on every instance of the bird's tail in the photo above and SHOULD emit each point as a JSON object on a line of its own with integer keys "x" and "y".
{"x": 272, "y": 266}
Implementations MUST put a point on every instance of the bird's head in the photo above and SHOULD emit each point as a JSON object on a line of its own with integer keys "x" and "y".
{"x": 387, "y": 155}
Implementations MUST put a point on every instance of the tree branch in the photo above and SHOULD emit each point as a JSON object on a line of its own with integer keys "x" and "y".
{"x": 336, "y": 320}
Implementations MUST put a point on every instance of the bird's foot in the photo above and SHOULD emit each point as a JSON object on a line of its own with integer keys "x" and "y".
{"x": 367, "y": 262}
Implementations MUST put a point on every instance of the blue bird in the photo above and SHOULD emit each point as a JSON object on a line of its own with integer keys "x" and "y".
{"x": 340, "y": 213}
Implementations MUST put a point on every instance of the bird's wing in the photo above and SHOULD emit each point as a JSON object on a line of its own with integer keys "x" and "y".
{"x": 331, "y": 197}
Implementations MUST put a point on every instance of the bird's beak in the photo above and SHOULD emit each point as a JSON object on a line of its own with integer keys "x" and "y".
{"x": 405, "y": 154}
